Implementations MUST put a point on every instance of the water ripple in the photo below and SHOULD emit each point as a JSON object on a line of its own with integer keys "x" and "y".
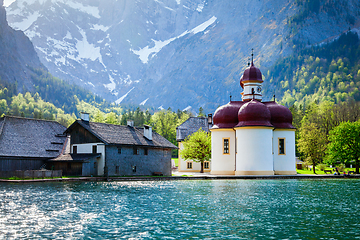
{"x": 235, "y": 209}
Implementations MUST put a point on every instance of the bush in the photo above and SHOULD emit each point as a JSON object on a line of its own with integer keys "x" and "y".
{"x": 321, "y": 167}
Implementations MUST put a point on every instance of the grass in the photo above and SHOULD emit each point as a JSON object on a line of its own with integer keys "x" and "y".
{"x": 305, "y": 171}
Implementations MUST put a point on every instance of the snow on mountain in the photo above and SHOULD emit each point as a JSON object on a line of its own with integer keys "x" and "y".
{"x": 123, "y": 97}
{"x": 173, "y": 53}
{"x": 147, "y": 51}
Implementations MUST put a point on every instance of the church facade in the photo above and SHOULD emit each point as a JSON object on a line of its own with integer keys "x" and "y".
{"x": 252, "y": 137}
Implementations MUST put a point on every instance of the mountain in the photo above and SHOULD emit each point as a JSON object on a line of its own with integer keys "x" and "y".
{"x": 173, "y": 53}
{"x": 17, "y": 55}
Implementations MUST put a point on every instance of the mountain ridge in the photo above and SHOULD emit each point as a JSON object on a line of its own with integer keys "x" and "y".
{"x": 100, "y": 48}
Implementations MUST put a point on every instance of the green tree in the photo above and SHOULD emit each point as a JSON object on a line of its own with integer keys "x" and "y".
{"x": 201, "y": 112}
{"x": 111, "y": 118}
{"x": 197, "y": 147}
{"x": 165, "y": 123}
{"x": 312, "y": 143}
{"x": 3, "y": 106}
{"x": 344, "y": 144}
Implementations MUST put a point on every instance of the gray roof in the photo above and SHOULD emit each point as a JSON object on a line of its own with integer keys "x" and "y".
{"x": 122, "y": 135}
{"x": 24, "y": 137}
{"x": 190, "y": 126}
{"x": 82, "y": 157}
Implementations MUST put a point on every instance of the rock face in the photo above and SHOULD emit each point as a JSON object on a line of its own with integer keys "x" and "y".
{"x": 17, "y": 54}
{"x": 169, "y": 53}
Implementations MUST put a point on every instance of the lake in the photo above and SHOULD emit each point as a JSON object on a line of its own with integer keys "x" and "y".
{"x": 191, "y": 209}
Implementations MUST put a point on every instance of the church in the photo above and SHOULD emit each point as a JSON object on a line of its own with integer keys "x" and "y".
{"x": 252, "y": 137}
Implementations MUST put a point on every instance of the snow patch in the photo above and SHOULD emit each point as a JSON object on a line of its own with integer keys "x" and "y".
{"x": 100, "y": 27}
{"x": 203, "y": 26}
{"x": 143, "y": 102}
{"x": 170, "y": 9}
{"x": 68, "y": 35}
{"x": 31, "y": 34}
{"x": 187, "y": 108}
{"x": 123, "y": 97}
{"x": 8, "y": 2}
{"x": 147, "y": 52}
{"x": 26, "y": 23}
{"x": 93, "y": 11}
{"x": 87, "y": 50}
{"x": 111, "y": 86}
{"x": 200, "y": 7}
{"x": 91, "y": 84}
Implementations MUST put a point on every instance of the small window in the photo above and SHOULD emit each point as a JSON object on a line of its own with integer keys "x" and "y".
{"x": 134, "y": 168}
{"x": 119, "y": 150}
{"x": 94, "y": 149}
{"x": 189, "y": 165}
{"x": 95, "y": 165}
{"x": 117, "y": 170}
{"x": 145, "y": 151}
{"x": 136, "y": 151}
{"x": 226, "y": 146}
{"x": 74, "y": 149}
{"x": 206, "y": 165}
{"x": 281, "y": 146}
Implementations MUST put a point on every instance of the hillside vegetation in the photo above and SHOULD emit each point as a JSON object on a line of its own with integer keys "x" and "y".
{"x": 326, "y": 72}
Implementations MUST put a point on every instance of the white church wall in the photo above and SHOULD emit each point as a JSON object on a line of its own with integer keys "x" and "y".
{"x": 254, "y": 155}
{"x": 284, "y": 163}
{"x": 222, "y": 164}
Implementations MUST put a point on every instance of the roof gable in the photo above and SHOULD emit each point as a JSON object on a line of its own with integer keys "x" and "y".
{"x": 123, "y": 135}
{"x": 191, "y": 125}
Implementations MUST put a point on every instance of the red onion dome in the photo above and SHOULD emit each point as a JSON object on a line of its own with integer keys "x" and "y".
{"x": 226, "y": 115}
{"x": 254, "y": 113}
{"x": 251, "y": 73}
{"x": 281, "y": 116}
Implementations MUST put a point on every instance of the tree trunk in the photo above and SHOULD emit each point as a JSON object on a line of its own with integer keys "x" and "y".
{"x": 313, "y": 162}
{"x": 202, "y": 167}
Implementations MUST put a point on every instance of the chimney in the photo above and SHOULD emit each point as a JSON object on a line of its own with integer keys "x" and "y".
{"x": 130, "y": 123}
{"x": 148, "y": 132}
{"x": 210, "y": 119}
{"x": 85, "y": 116}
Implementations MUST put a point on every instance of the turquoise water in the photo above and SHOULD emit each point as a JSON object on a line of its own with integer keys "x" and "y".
{"x": 213, "y": 209}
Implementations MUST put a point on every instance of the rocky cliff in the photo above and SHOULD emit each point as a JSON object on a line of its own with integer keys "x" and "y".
{"x": 17, "y": 54}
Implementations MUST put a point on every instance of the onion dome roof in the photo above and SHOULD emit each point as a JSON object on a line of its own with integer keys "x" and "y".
{"x": 254, "y": 113}
{"x": 226, "y": 116}
{"x": 281, "y": 116}
{"x": 251, "y": 73}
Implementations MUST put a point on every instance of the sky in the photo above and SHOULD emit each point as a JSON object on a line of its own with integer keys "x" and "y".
{"x": 8, "y": 2}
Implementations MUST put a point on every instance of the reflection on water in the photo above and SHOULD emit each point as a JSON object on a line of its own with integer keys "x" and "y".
{"x": 217, "y": 209}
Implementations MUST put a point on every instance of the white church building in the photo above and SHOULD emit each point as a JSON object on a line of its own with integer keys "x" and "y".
{"x": 251, "y": 137}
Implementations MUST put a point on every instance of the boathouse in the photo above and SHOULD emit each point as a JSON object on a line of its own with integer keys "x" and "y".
{"x": 26, "y": 144}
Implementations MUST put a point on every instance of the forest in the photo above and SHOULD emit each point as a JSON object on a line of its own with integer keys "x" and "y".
{"x": 328, "y": 72}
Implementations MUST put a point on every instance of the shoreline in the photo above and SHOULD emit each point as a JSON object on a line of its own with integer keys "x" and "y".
{"x": 172, "y": 178}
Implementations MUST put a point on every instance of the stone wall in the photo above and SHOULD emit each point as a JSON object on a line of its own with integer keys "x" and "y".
{"x": 126, "y": 163}
{"x": 31, "y": 174}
